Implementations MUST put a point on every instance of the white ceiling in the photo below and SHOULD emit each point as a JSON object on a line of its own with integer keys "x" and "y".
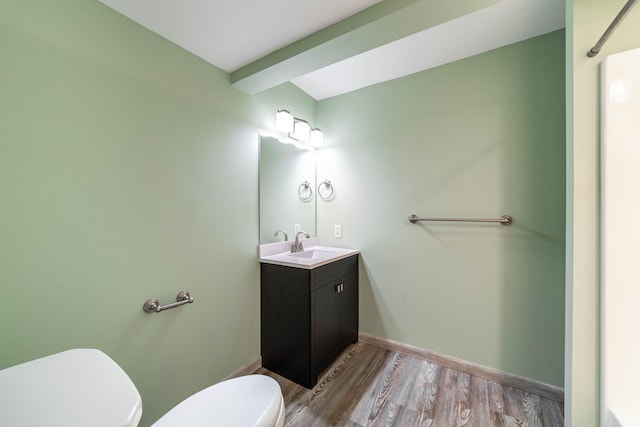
{"x": 232, "y": 34}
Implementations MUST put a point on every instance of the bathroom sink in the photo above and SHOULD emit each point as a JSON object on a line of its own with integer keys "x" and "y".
{"x": 313, "y": 254}
{"x": 311, "y": 257}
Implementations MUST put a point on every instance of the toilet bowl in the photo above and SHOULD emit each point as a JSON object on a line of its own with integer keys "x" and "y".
{"x": 84, "y": 387}
{"x": 252, "y": 400}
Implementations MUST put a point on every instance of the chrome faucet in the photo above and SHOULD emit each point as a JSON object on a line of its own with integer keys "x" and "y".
{"x": 284, "y": 233}
{"x": 297, "y": 244}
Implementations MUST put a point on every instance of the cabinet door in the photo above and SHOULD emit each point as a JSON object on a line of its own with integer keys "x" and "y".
{"x": 285, "y": 321}
{"x": 348, "y": 311}
{"x": 325, "y": 327}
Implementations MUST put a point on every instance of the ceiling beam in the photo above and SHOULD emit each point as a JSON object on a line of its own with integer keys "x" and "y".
{"x": 380, "y": 24}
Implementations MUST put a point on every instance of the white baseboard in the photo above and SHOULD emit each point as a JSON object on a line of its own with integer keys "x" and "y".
{"x": 545, "y": 390}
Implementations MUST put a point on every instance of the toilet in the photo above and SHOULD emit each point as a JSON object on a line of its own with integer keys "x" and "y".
{"x": 252, "y": 400}
{"x": 85, "y": 387}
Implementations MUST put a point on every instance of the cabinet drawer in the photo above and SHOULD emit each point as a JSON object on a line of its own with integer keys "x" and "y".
{"x": 329, "y": 273}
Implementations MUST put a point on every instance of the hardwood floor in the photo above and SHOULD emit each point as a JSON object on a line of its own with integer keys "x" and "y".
{"x": 371, "y": 386}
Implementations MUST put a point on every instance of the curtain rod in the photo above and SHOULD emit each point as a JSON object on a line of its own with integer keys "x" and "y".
{"x": 625, "y": 9}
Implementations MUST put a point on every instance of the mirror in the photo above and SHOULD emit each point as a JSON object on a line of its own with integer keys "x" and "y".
{"x": 287, "y": 189}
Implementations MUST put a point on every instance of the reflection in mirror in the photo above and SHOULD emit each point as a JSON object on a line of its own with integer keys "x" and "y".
{"x": 285, "y": 199}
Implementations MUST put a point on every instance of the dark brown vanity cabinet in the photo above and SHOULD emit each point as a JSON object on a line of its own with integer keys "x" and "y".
{"x": 308, "y": 316}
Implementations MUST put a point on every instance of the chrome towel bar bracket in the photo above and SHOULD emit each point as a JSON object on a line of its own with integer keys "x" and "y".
{"x": 504, "y": 219}
{"x": 153, "y": 305}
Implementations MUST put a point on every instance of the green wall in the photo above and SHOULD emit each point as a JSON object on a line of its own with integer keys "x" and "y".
{"x": 586, "y": 21}
{"x": 480, "y": 137}
{"x": 128, "y": 171}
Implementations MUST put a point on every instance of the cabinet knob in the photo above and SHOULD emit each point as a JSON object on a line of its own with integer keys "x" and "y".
{"x": 339, "y": 287}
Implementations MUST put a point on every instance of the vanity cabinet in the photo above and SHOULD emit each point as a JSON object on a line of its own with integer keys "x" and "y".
{"x": 308, "y": 316}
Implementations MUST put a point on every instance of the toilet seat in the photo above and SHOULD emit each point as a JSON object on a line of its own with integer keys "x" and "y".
{"x": 74, "y": 388}
{"x": 251, "y": 400}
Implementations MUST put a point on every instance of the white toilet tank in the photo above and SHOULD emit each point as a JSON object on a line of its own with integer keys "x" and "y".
{"x": 74, "y": 388}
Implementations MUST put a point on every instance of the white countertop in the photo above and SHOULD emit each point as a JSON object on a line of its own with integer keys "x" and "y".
{"x": 312, "y": 256}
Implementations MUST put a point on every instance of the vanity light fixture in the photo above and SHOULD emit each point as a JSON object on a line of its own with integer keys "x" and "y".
{"x": 317, "y": 137}
{"x": 301, "y": 130}
{"x": 284, "y": 121}
{"x": 298, "y": 129}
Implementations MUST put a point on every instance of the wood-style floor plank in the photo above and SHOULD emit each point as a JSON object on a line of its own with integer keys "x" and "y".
{"x": 444, "y": 407}
{"x": 552, "y": 413}
{"x": 479, "y": 395}
{"x": 368, "y": 386}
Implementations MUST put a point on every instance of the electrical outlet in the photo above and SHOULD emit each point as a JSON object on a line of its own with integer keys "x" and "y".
{"x": 296, "y": 228}
{"x": 337, "y": 231}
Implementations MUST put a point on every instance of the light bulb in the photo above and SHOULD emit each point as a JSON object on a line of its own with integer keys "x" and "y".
{"x": 317, "y": 137}
{"x": 284, "y": 121}
{"x": 301, "y": 130}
